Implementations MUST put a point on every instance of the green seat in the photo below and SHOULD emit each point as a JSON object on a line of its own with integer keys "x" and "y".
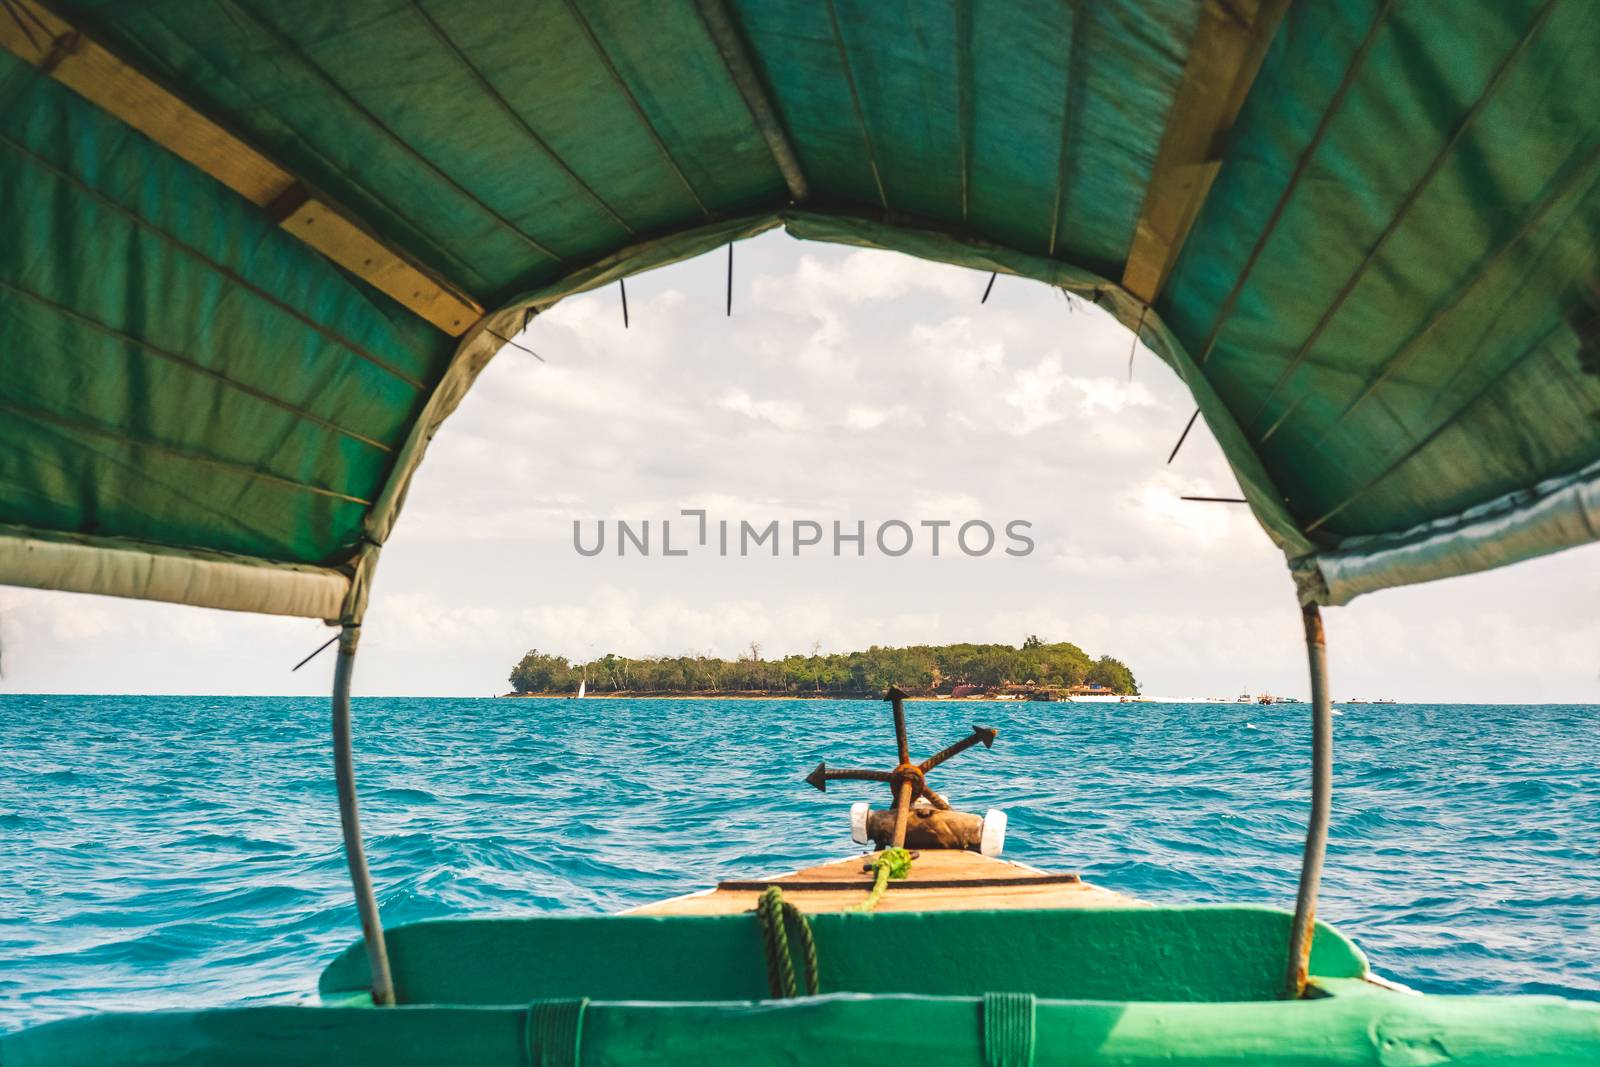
{"x": 1119, "y": 954}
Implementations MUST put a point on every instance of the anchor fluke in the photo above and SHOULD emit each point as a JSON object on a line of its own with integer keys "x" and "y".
{"x": 819, "y": 777}
{"x": 822, "y": 774}
{"x": 983, "y": 735}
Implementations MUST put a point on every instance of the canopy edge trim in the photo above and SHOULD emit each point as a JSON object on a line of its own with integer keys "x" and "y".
{"x": 1555, "y": 514}
{"x": 141, "y": 571}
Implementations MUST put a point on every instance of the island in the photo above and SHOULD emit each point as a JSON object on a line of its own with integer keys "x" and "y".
{"x": 1034, "y": 670}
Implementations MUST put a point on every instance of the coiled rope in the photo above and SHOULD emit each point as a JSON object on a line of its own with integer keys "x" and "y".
{"x": 776, "y": 914}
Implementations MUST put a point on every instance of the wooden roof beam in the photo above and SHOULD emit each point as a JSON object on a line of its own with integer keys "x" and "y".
{"x": 59, "y": 49}
{"x": 1224, "y": 57}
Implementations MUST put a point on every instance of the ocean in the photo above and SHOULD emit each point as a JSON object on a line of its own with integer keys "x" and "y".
{"x": 184, "y": 851}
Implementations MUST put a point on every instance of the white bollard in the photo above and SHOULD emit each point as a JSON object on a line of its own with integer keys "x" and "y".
{"x": 858, "y": 822}
{"x": 994, "y": 832}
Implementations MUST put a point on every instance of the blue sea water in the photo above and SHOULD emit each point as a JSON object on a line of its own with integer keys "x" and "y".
{"x": 176, "y": 851}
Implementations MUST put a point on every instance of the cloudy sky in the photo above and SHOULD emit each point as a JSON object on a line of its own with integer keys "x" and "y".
{"x": 848, "y": 386}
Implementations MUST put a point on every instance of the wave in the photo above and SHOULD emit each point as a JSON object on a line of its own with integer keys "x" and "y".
{"x": 183, "y": 866}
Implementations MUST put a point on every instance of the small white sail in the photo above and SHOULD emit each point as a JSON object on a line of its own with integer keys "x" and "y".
{"x": 583, "y": 687}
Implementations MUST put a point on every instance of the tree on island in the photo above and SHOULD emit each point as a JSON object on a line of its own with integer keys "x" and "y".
{"x": 539, "y": 673}
{"x": 1113, "y": 674}
{"x": 921, "y": 669}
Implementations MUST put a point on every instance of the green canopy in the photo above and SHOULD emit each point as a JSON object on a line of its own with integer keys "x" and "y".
{"x": 249, "y": 247}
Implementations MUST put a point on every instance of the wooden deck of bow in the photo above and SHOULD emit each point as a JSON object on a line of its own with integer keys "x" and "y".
{"x": 939, "y": 881}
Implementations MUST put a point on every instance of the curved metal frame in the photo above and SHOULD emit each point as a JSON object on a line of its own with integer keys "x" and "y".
{"x": 350, "y": 820}
{"x": 1305, "y": 907}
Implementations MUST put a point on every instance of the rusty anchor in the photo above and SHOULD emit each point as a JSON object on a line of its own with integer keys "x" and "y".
{"x": 921, "y": 815}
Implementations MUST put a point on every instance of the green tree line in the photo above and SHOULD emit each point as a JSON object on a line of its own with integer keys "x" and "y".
{"x": 919, "y": 669}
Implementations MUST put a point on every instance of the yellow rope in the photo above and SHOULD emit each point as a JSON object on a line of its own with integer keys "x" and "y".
{"x": 891, "y": 863}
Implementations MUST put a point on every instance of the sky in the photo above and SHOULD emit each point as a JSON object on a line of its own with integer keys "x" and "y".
{"x": 848, "y": 386}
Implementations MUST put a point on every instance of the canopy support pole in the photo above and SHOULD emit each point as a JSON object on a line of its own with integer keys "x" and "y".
{"x": 741, "y": 68}
{"x": 1305, "y": 907}
{"x": 350, "y": 820}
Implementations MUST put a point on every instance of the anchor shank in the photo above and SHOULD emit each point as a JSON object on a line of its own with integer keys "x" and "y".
{"x": 897, "y": 700}
{"x": 902, "y": 811}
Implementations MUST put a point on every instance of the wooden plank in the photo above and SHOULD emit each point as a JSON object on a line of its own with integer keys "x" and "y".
{"x": 935, "y": 864}
{"x": 1224, "y": 58}
{"x": 940, "y": 880}
{"x": 92, "y": 72}
{"x": 56, "y": 47}
{"x": 353, "y": 248}
{"x": 864, "y": 883}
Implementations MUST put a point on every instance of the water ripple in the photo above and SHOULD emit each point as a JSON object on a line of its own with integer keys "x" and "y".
{"x": 163, "y": 852}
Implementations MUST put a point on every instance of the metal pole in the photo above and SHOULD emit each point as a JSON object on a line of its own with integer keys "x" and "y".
{"x": 1305, "y": 908}
{"x": 350, "y": 820}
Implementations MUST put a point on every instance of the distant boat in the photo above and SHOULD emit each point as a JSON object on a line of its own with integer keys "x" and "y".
{"x": 583, "y": 687}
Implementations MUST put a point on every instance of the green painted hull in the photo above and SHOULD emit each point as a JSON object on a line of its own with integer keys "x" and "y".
{"x": 1113, "y": 986}
{"x": 840, "y": 1030}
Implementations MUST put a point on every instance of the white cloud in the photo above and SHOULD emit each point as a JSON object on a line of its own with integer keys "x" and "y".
{"x": 1157, "y": 504}
{"x": 1111, "y": 397}
{"x": 1035, "y": 393}
{"x": 862, "y": 417}
{"x": 83, "y": 623}
{"x": 969, "y": 357}
{"x": 860, "y": 277}
{"x": 783, "y": 414}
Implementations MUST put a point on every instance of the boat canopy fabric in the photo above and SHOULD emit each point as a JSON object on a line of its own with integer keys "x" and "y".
{"x": 1381, "y": 287}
